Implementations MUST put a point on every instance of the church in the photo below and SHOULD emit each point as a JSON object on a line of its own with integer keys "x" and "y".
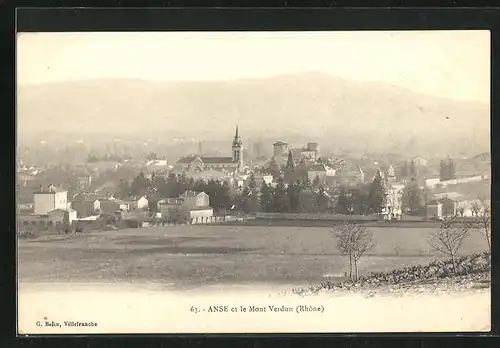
{"x": 227, "y": 164}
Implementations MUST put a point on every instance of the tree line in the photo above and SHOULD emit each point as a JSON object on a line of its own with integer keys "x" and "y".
{"x": 300, "y": 196}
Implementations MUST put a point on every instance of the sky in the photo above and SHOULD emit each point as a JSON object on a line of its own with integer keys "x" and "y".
{"x": 448, "y": 64}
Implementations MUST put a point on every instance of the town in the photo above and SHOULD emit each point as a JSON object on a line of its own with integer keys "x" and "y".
{"x": 114, "y": 192}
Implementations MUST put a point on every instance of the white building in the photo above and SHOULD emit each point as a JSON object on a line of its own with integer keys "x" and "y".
{"x": 49, "y": 199}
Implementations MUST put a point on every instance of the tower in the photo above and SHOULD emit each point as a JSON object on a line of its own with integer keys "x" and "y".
{"x": 238, "y": 150}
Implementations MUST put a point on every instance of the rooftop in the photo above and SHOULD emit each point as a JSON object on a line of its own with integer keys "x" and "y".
{"x": 207, "y": 160}
{"x": 51, "y": 190}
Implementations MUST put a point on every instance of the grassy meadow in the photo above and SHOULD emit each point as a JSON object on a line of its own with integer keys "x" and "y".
{"x": 191, "y": 256}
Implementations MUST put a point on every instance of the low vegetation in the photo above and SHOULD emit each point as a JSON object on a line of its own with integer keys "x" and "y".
{"x": 476, "y": 264}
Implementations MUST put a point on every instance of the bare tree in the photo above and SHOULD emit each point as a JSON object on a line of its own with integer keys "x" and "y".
{"x": 353, "y": 240}
{"x": 449, "y": 238}
{"x": 483, "y": 217}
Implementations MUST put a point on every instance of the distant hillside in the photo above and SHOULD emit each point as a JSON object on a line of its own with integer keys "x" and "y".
{"x": 314, "y": 105}
{"x": 485, "y": 156}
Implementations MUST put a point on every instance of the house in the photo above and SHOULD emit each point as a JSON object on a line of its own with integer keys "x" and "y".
{"x": 122, "y": 205}
{"x": 394, "y": 202}
{"x": 141, "y": 203}
{"x": 434, "y": 209}
{"x": 50, "y": 199}
{"x": 84, "y": 182}
{"x": 280, "y": 149}
{"x": 193, "y": 199}
{"x": 259, "y": 179}
{"x": 109, "y": 206}
{"x": 321, "y": 171}
{"x": 66, "y": 216}
{"x": 419, "y": 161}
{"x": 85, "y": 208}
{"x": 190, "y": 205}
{"x": 432, "y": 182}
{"x": 350, "y": 177}
{"x": 25, "y": 208}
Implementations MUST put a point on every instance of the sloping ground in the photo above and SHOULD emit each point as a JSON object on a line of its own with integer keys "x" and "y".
{"x": 472, "y": 272}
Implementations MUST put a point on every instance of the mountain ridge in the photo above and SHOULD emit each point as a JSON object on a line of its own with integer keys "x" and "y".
{"x": 313, "y": 104}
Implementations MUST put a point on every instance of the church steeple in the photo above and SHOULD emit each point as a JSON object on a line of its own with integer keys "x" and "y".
{"x": 238, "y": 149}
{"x": 237, "y": 141}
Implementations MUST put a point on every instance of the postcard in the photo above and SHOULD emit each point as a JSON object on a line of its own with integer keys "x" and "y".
{"x": 253, "y": 182}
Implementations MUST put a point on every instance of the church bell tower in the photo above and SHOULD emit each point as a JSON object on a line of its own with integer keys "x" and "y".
{"x": 238, "y": 150}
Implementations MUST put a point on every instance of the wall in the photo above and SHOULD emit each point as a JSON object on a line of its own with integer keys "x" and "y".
{"x": 142, "y": 203}
{"x": 312, "y": 175}
{"x": 43, "y": 203}
{"x": 61, "y": 200}
{"x": 202, "y": 200}
{"x": 85, "y": 209}
{"x": 291, "y": 216}
{"x": 435, "y": 211}
{"x": 201, "y": 213}
{"x": 109, "y": 207}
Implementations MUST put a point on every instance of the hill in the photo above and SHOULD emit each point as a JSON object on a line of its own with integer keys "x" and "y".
{"x": 344, "y": 113}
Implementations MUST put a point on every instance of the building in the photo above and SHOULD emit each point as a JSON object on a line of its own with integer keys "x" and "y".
{"x": 65, "y": 216}
{"x": 50, "y": 199}
{"x": 141, "y": 203}
{"x": 84, "y": 182}
{"x": 320, "y": 171}
{"x": 190, "y": 205}
{"x": 86, "y": 207}
{"x": 391, "y": 174}
{"x": 350, "y": 177}
{"x": 434, "y": 209}
{"x": 419, "y": 161}
{"x": 200, "y": 163}
{"x": 394, "y": 202}
{"x": 280, "y": 149}
{"x": 110, "y": 207}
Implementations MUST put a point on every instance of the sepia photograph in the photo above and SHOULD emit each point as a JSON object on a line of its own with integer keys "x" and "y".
{"x": 253, "y": 182}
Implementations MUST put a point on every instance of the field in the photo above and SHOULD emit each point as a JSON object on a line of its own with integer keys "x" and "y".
{"x": 192, "y": 256}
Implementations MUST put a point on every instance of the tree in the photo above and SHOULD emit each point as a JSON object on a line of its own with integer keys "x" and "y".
{"x": 413, "y": 169}
{"x": 447, "y": 170}
{"x": 405, "y": 170}
{"x": 274, "y": 169}
{"x": 321, "y": 203}
{"x": 280, "y": 202}
{"x": 316, "y": 182}
{"x": 253, "y": 194}
{"x": 293, "y": 193}
{"x": 443, "y": 171}
{"x": 152, "y": 156}
{"x": 152, "y": 204}
{"x": 449, "y": 238}
{"x": 483, "y": 217}
{"x": 412, "y": 198}
{"x": 161, "y": 186}
{"x": 123, "y": 188}
{"x": 451, "y": 169}
{"x": 266, "y": 198}
{"x": 243, "y": 200}
{"x": 139, "y": 185}
{"x": 343, "y": 205}
{"x": 290, "y": 169}
{"x": 377, "y": 194}
{"x": 353, "y": 240}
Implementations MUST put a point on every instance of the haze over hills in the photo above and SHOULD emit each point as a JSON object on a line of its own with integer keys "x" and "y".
{"x": 310, "y": 106}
